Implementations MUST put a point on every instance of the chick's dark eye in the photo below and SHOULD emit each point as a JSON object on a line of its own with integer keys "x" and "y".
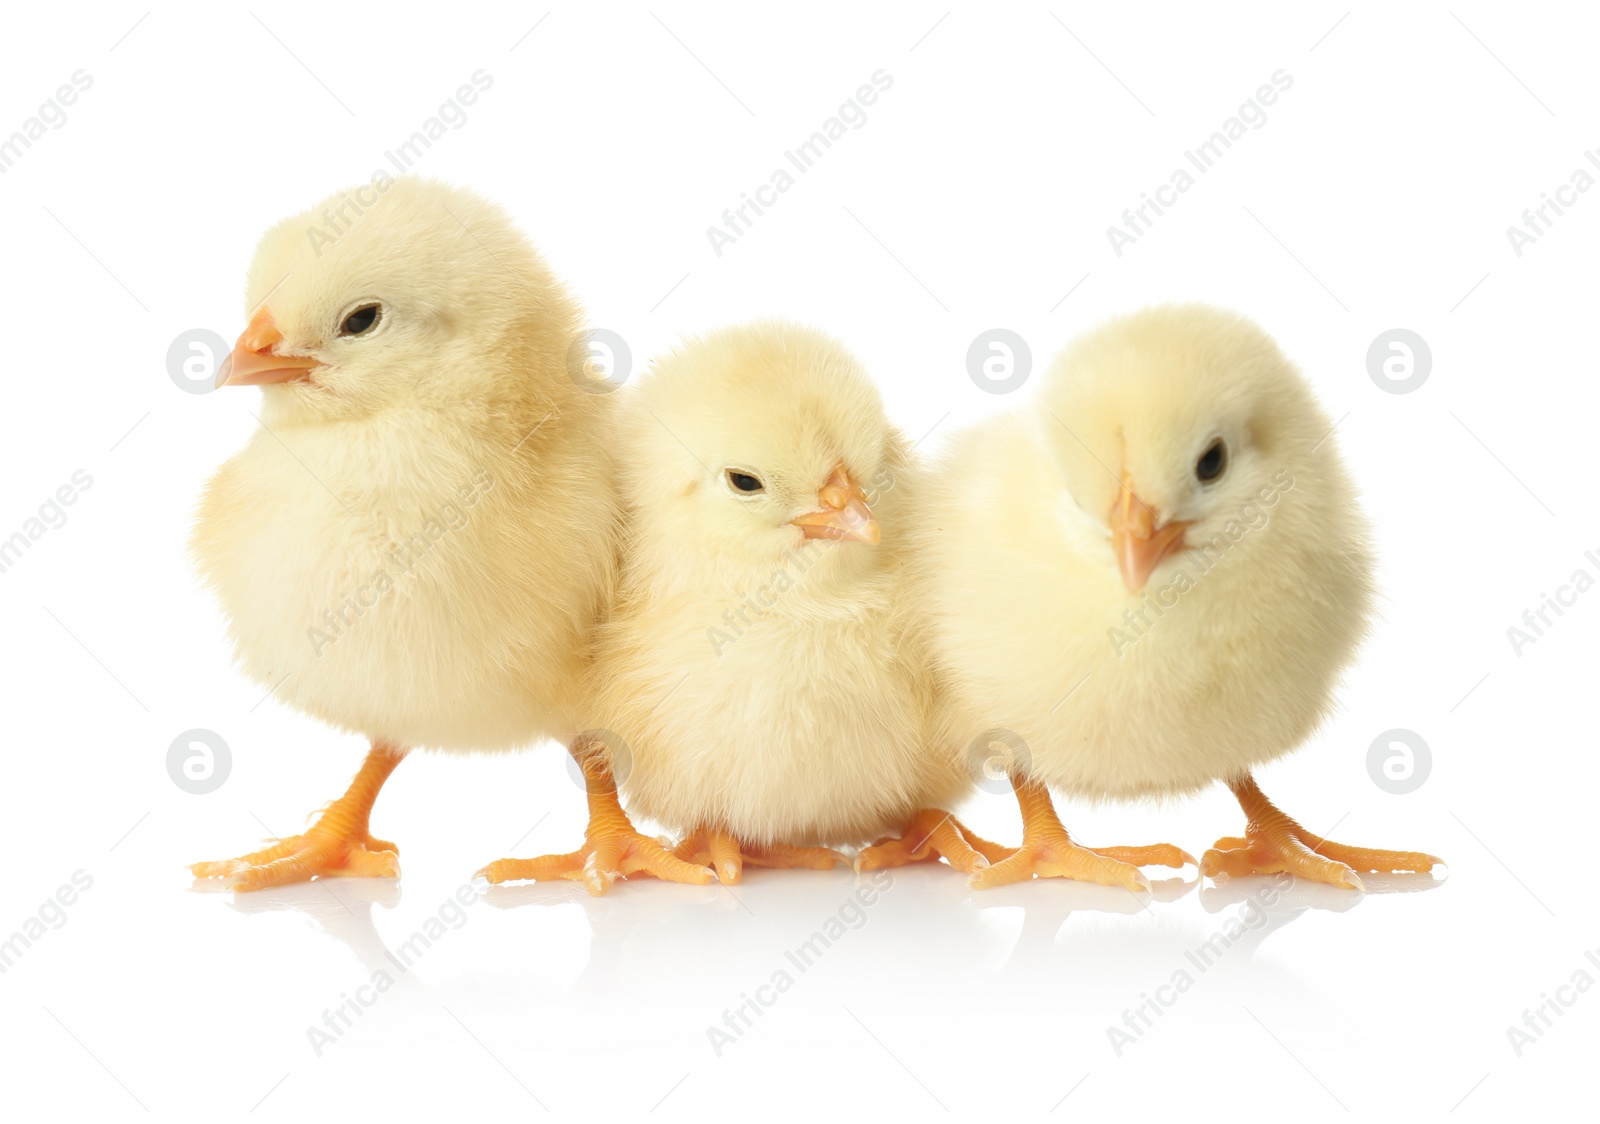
{"x": 744, "y": 482}
{"x": 362, "y": 320}
{"x": 1212, "y": 462}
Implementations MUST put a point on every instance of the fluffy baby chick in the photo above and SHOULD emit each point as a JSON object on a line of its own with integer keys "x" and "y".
{"x": 417, "y": 542}
{"x": 767, "y": 688}
{"x": 1154, "y": 577}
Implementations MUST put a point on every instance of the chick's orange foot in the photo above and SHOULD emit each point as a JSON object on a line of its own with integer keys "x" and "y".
{"x": 337, "y": 845}
{"x": 1048, "y": 852}
{"x": 300, "y": 858}
{"x": 1043, "y": 857}
{"x": 726, "y": 856}
{"x": 1274, "y": 843}
{"x": 609, "y": 852}
{"x": 611, "y": 848}
{"x": 929, "y": 836}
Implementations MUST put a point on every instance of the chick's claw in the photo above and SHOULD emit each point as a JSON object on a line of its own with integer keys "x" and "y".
{"x": 726, "y": 856}
{"x": 1154, "y": 854}
{"x": 337, "y": 845}
{"x": 607, "y": 854}
{"x": 1262, "y": 855}
{"x": 1377, "y": 861}
{"x": 1048, "y": 852}
{"x": 300, "y": 858}
{"x": 930, "y": 835}
{"x": 1274, "y": 843}
{"x": 611, "y": 848}
{"x": 1306, "y": 856}
{"x": 1047, "y": 857}
{"x": 255, "y": 858}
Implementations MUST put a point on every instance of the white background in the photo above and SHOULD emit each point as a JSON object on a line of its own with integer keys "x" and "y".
{"x": 977, "y": 195}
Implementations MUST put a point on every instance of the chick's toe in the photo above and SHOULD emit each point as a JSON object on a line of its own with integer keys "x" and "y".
{"x": 607, "y": 854}
{"x": 1274, "y": 843}
{"x": 611, "y": 849}
{"x": 337, "y": 845}
{"x": 931, "y": 835}
{"x": 725, "y": 855}
{"x": 1048, "y": 852}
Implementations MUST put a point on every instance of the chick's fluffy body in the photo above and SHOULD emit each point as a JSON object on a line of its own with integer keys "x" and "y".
{"x": 416, "y": 544}
{"x": 765, "y": 685}
{"x": 1231, "y": 652}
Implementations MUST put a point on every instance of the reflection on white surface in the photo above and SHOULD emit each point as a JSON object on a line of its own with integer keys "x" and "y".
{"x": 896, "y": 992}
{"x": 922, "y": 914}
{"x": 340, "y": 908}
{"x": 928, "y": 991}
{"x": 916, "y": 915}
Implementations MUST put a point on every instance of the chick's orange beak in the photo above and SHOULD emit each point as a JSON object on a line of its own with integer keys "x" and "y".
{"x": 254, "y": 360}
{"x": 1138, "y": 545}
{"x": 844, "y": 513}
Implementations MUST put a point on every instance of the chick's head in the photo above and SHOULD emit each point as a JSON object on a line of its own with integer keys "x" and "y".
{"x": 1175, "y": 426}
{"x": 398, "y": 292}
{"x": 744, "y": 444}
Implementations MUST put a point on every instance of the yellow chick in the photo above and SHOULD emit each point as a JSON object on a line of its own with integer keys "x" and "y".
{"x": 767, "y": 688}
{"x": 1153, "y": 578}
{"x": 419, "y": 539}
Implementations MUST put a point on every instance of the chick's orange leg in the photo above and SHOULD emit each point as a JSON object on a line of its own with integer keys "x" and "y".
{"x": 338, "y": 844}
{"x": 611, "y": 848}
{"x": 1047, "y": 851}
{"x": 725, "y": 855}
{"x": 1273, "y": 842}
{"x": 930, "y": 835}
